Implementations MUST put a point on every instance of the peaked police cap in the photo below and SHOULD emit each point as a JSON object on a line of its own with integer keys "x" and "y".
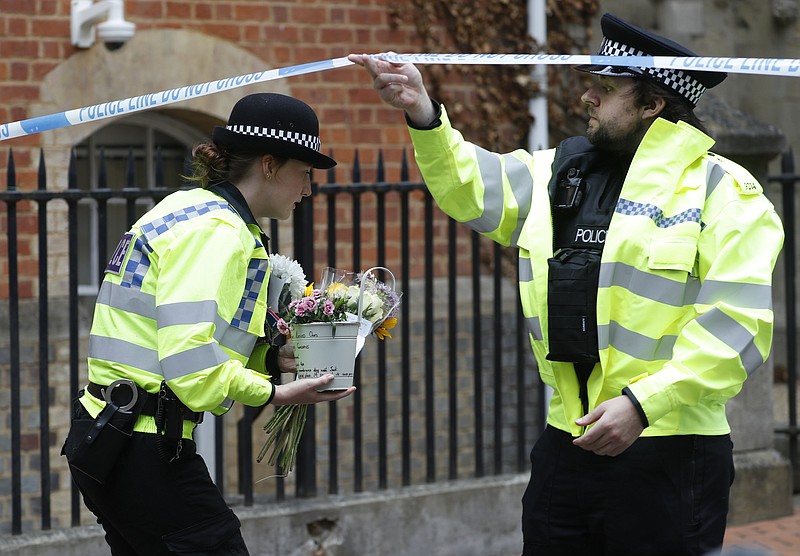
{"x": 276, "y": 124}
{"x": 621, "y": 38}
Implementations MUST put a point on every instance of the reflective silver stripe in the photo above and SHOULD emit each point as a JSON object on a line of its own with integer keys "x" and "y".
{"x": 734, "y": 335}
{"x": 750, "y": 296}
{"x": 676, "y": 294}
{"x": 133, "y": 301}
{"x": 235, "y": 339}
{"x": 650, "y": 286}
{"x": 126, "y": 353}
{"x": 714, "y": 175}
{"x": 521, "y": 183}
{"x": 191, "y": 312}
{"x": 525, "y": 270}
{"x": 227, "y": 403}
{"x": 535, "y": 328}
{"x": 489, "y": 165}
{"x": 130, "y": 300}
{"x": 638, "y": 345}
{"x": 187, "y": 312}
{"x": 193, "y": 360}
{"x": 602, "y": 336}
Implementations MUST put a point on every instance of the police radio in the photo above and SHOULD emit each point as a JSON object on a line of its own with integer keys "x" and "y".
{"x": 569, "y": 191}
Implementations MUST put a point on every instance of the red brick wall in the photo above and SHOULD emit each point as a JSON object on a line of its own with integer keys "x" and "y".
{"x": 35, "y": 39}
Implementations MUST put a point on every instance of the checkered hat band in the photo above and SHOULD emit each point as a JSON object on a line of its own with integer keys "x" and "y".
{"x": 677, "y": 80}
{"x": 308, "y": 141}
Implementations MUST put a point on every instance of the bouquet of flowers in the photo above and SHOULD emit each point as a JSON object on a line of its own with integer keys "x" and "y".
{"x": 342, "y": 297}
{"x": 346, "y": 297}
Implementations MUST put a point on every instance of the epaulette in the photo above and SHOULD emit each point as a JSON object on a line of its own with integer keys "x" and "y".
{"x": 744, "y": 180}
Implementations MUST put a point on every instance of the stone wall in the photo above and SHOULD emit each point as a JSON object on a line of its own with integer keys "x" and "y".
{"x": 462, "y": 518}
{"x": 748, "y": 116}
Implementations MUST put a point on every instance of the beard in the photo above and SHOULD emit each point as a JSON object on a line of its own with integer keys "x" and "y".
{"x": 611, "y": 137}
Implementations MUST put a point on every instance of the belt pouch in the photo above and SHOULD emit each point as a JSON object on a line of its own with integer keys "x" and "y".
{"x": 572, "y": 305}
{"x": 93, "y": 446}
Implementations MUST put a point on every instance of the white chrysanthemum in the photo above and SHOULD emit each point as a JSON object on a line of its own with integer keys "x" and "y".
{"x": 290, "y": 273}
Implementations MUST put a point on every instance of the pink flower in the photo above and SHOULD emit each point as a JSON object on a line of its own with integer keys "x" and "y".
{"x": 311, "y": 304}
{"x": 327, "y": 307}
{"x": 283, "y": 327}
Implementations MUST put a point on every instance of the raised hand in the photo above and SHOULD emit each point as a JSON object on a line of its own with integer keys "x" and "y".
{"x": 400, "y": 86}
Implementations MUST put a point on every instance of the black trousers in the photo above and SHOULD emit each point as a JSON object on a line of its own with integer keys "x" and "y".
{"x": 151, "y": 507}
{"x": 665, "y": 496}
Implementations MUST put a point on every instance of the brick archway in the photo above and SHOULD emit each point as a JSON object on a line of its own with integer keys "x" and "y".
{"x": 154, "y": 60}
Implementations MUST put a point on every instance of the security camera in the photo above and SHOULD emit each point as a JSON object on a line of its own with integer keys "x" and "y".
{"x": 114, "y": 31}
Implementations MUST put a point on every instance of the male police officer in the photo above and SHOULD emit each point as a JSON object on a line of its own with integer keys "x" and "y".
{"x": 645, "y": 276}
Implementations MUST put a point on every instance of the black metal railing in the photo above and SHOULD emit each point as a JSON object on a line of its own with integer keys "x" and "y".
{"x": 455, "y": 387}
{"x": 453, "y": 395}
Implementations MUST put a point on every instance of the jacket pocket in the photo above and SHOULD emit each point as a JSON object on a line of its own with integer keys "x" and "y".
{"x": 673, "y": 252}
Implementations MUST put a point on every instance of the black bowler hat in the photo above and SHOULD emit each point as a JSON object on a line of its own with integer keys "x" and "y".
{"x": 621, "y": 38}
{"x": 276, "y": 124}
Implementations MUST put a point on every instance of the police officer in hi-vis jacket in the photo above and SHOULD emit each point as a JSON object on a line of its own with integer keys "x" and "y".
{"x": 645, "y": 266}
{"x": 181, "y": 306}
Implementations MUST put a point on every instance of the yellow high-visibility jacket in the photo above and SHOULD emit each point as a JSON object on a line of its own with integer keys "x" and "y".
{"x": 184, "y": 299}
{"x": 684, "y": 304}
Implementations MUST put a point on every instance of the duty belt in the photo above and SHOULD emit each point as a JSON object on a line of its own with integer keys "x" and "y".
{"x": 150, "y": 406}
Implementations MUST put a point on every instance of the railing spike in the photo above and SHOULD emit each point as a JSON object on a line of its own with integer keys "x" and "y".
{"x": 356, "y": 168}
{"x": 787, "y": 162}
{"x": 11, "y": 173}
{"x": 331, "y": 171}
{"x": 72, "y": 172}
{"x": 159, "y": 168}
{"x": 188, "y": 166}
{"x": 130, "y": 180}
{"x": 42, "y": 176}
{"x": 102, "y": 176}
{"x": 380, "y": 174}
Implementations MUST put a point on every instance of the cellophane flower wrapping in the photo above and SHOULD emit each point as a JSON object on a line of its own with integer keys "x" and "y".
{"x": 373, "y": 304}
{"x": 342, "y": 296}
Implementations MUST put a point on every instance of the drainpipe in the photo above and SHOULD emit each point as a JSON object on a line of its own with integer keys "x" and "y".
{"x": 537, "y": 28}
{"x": 538, "y": 137}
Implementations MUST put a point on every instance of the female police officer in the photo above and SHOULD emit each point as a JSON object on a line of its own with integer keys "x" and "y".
{"x": 180, "y": 309}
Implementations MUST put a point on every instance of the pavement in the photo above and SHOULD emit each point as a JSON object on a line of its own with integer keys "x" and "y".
{"x": 772, "y": 537}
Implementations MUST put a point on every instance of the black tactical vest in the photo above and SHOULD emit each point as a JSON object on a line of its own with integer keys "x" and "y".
{"x": 584, "y": 188}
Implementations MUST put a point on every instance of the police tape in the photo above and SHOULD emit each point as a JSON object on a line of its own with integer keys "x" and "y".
{"x": 153, "y": 100}
{"x": 785, "y": 67}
